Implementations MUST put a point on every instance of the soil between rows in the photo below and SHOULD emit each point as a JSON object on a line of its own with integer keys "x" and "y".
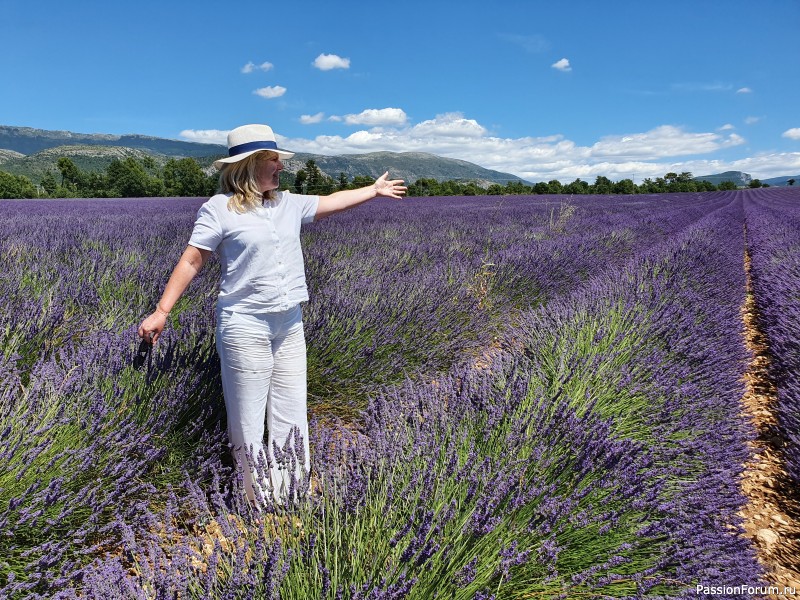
{"x": 772, "y": 513}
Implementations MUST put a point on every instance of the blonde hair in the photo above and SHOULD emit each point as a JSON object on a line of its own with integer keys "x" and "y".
{"x": 239, "y": 179}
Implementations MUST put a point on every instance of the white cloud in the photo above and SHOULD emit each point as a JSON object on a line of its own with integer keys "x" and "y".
{"x": 311, "y": 119}
{"x": 449, "y": 125}
{"x": 271, "y": 91}
{"x": 634, "y": 155}
{"x": 206, "y": 136}
{"x": 378, "y": 117}
{"x": 752, "y": 120}
{"x": 251, "y": 66}
{"x": 663, "y": 141}
{"x": 562, "y": 65}
{"x": 744, "y": 90}
{"x": 726, "y": 127}
{"x": 326, "y": 62}
{"x": 792, "y": 134}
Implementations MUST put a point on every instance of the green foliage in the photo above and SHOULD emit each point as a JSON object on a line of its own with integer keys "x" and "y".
{"x": 16, "y": 186}
{"x": 127, "y": 178}
{"x": 184, "y": 177}
{"x": 143, "y": 177}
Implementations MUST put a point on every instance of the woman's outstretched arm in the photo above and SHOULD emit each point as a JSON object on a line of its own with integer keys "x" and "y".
{"x": 344, "y": 199}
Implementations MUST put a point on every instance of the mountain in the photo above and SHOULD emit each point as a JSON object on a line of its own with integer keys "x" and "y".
{"x": 738, "y": 177}
{"x": 784, "y": 180}
{"x": 409, "y": 166}
{"x": 27, "y": 140}
{"x": 32, "y": 152}
{"x": 86, "y": 158}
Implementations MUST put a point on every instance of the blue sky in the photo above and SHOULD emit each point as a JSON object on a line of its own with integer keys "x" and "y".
{"x": 543, "y": 90}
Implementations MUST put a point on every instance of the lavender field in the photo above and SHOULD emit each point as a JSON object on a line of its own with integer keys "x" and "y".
{"x": 511, "y": 397}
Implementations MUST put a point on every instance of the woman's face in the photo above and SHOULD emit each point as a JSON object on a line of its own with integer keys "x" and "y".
{"x": 268, "y": 169}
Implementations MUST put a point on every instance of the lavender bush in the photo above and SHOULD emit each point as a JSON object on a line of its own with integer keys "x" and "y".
{"x": 773, "y": 232}
{"x": 567, "y": 461}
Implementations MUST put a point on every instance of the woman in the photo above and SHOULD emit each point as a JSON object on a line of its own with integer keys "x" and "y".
{"x": 259, "y": 336}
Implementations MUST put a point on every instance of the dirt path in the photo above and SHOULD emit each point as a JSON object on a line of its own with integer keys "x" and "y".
{"x": 772, "y": 514}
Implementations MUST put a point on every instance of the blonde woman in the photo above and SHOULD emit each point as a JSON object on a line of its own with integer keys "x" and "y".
{"x": 255, "y": 229}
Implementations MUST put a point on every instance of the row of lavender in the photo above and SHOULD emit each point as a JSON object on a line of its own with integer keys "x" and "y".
{"x": 90, "y": 446}
{"x": 773, "y": 231}
{"x": 600, "y": 458}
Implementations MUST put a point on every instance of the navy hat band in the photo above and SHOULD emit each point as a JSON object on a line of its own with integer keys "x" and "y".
{"x": 250, "y": 146}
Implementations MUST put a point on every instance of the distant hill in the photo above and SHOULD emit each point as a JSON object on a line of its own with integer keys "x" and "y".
{"x": 409, "y": 166}
{"x": 743, "y": 179}
{"x": 27, "y": 140}
{"x": 32, "y": 152}
{"x": 738, "y": 177}
{"x": 784, "y": 180}
{"x": 86, "y": 158}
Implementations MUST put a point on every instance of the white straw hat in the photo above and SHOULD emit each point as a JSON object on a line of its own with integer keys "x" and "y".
{"x": 249, "y": 139}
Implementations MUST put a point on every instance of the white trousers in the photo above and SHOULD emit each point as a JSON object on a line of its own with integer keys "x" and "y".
{"x": 263, "y": 362}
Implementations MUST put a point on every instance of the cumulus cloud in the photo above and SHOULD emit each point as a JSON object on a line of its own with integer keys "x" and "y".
{"x": 562, "y": 65}
{"x": 792, "y": 134}
{"x": 251, "y": 67}
{"x": 663, "y": 141}
{"x": 311, "y": 119}
{"x": 727, "y": 127}
{"x": 271, "y": 91}
{"x": 205, "y": 136}
{"x": 635, "y": 155}
{"x": 752, "y": 120}
{"x": 378, "y": 117}
{"x": 326, "y": 62}
{"x": 449, "y": 125}
{"x": 744, "y": 90}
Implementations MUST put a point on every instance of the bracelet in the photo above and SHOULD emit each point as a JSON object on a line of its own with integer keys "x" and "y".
{"x": 160, "y": 310}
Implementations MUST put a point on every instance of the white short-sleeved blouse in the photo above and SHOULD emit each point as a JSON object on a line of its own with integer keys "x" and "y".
{"x": 260, "y": 256}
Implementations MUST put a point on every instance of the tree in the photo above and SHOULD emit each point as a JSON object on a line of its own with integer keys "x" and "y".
{"x": 495, "y": 189}
{"x": 755, "y": 183}
{"x": 602, "y": 185}
{"x": 184, "y": 177}
{"x": 128, "y": 179}
{"x": 360, "y": 181}
{"x": 343, "y": 183}
{"x": 16, "y": 186}
{"x": 49, "y": 184}
{"x": 424, "y": 187}
{"x": 516, "y": 187}
{"x": 790, "y": 182}
{"x": 316, "y": 181}
{"x": 70, "y": 174}
{"x": 624, "y": 186}
{"x": 554, "y": 187}
{"x": 727, "y": 185}
{"x": 577, "y": 187}
{"x": 300, "y": 181}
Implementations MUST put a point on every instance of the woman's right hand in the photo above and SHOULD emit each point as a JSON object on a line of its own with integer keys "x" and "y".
{"x": 152, "y": 327}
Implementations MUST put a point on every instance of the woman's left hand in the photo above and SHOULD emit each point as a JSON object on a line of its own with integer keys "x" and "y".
{"x": 389, "y": 188}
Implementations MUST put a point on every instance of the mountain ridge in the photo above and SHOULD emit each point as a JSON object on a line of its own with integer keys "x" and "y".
{"x": 35, "y": 149}
{"x": 32, "y": 152}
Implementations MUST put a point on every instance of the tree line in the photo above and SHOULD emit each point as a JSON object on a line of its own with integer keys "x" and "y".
{"x": 143, "y": 177}
{"x": 123, "y": 178}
